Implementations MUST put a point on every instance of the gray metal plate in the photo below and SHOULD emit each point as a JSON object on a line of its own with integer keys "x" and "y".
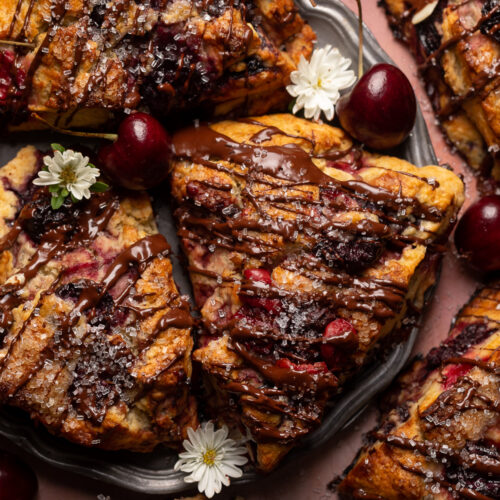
{"x": 153, "y": 472}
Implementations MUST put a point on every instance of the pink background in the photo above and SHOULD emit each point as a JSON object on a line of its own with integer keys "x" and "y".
{"x": 307, "y": 480}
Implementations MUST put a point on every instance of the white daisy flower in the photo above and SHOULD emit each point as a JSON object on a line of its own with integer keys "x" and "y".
{"x": 211, "y": 458}
{"x": 316, "y": 83}
{"x": 69, "y": 170}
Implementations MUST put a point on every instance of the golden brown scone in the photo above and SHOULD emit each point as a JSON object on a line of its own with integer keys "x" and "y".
{"x": 94, "y": 338}
{"x": 440, "y": 438}
{"x": 458, "y": 52}
{"x": 287, "y": 227}
{"x": 92, "y": 59}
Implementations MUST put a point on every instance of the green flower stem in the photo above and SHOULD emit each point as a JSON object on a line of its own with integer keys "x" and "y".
{"x": 96, "y": 135}
{"x": 16, "y": 43}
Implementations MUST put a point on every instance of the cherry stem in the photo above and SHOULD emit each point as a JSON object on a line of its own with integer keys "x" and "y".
{"x": 96, "y": 135}
{"x": 20, "y": 44}
{"x": 360, "y": 44}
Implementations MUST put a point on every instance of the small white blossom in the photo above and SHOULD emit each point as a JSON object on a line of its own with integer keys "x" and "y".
{"x": 70, "y": 170}
{"x": 211, "y": 458}
{"x": 316, "y": 84}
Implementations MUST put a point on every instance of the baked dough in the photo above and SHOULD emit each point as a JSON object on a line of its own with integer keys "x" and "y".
{"x": 458, "y": 52}
{"x": 95, "y": 339}
{"x": 439, "y": 437}
{"x": 343, "y": 233}
{"x": 92, "y": 60}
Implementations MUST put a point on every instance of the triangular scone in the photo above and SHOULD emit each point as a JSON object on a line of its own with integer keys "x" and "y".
{"x": 440, "y": 436}
{"x": 95, "y": 339}
{"x": 93, "y": 60}
{"x": 288, "y": 227}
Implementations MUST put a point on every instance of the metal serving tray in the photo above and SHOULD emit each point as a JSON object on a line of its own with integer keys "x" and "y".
{"x": 153, "y": 472}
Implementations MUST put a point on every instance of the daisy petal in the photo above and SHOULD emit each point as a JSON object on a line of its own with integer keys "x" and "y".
{"x": 316, "y": 83}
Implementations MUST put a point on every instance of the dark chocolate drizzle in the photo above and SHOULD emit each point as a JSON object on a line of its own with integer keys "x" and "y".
{"x": 54, "y": 234}
{"x": 212, "y": 217}
{"x": 426, "y": 41}
{"x": 185, "y": 73}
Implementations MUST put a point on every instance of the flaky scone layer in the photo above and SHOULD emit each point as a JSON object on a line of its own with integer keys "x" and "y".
{"x": 94, "y": 337}
{"x": 341, "y": 234}
{"x": 90, "y": 59}
{"x": 440, "y": 438}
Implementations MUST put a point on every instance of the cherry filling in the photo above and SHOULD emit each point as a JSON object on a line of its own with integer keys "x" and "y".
{"x": 471, "y": 334}
{"x": 212, "y": 199}
{"x": 182, "y": 71}
{"x": 10, "y": 75}
{"x": 255, "y": 275}
{"x": 353, "y": 253}
{"x": 454, "y": 372}
{"x": 428, "y": 35}
{"x": 311, "y": 368}
{"x": 464, "y": 477}
{"x": 44, "y": 219}
{"x": 340, "y": 337}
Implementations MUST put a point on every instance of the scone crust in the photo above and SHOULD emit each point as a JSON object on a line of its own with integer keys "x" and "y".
{"x": 458, "y": 52}
{"x": 115, "y": 375}
{"x": 91, "y": 61}
{"x": 246, "y": 212}
{"x": 442, "y": 418}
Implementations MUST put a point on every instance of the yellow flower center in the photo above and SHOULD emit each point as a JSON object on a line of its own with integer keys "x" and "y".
{"x": 209, "y": 457}
{"x": 67, "y": 175}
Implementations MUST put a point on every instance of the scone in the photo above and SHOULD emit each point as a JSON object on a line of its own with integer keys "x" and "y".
{"x": 458, "y": 52}
{"x": 95, "y": 339}
{"x": 89, "y": 60}
{"x": 304, "y": 253}
{"x": 440, "y": 437}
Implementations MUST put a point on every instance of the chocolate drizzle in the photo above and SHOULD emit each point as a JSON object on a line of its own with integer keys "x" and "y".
{"x": 160, "y": 64}
{"x": 103, "y": 372}
{"x": 443, "y": 417}
{"x": 278, "y": 331}
{"x": 458, "y": 28}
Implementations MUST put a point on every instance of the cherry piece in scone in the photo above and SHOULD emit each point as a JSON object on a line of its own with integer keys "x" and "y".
{"x": 343, "y": 338}
{"x": 17, "y": 479}
{"x": 259, "y": 275}
{"x": 477, "y": 237}
{"x": 139, "y": 157}
{"x": 380, "y": 110}
{"x": 311, "y": 368}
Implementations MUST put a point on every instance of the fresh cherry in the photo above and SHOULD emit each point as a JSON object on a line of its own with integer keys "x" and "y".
{"x": 380, "y": 110}
{"x": 477, "y": 237}
{"x": 345, "y": 336}
{"x": 17, "y": 479}
{"x": 139, "y": 157}
{"x": 261, "y": 276}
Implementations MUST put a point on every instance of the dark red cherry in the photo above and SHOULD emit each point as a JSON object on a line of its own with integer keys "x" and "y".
{"x": 477, "y": 237}
{"x": 139, "y": 157}
{"x": 344, "y": 337}
{"x": 380, "y": 110}
{"x": 17, "y": 479}
{"x": 262, "y": 276}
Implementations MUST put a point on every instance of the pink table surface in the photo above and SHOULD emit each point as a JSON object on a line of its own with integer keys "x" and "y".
{"x": 308, "y": 479}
